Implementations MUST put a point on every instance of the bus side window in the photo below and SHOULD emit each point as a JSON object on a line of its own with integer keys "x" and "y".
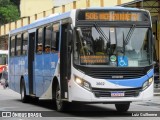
{"x": 12, "y": 50}
{"x": 47, "y": 39}
{"x": 24, "y": 43}
{"x": 18, "y": 45}
{"x": 55, "y": 38}
{"x": 39, "y": 41}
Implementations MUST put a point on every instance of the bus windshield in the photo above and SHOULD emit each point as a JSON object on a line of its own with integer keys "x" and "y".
{"x": 109, "y": 45}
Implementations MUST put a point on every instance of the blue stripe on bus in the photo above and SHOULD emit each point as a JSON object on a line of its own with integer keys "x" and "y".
{"x": 137, "y": 82}
{"x": 45, "y": 66}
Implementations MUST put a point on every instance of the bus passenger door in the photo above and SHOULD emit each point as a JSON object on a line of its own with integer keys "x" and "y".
{"x": 65, "y": 59}
{"x": 31, "y": 62}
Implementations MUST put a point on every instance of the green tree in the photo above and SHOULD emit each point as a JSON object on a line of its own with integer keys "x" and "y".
{"x": 4, "y": 2}
{"x": 17, "y": 3}
{"x": 8, "y": 12}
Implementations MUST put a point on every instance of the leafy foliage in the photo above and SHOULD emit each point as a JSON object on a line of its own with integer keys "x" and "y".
{"x": 8, "y": 12}
{"x": 4, "y": 3}
{"x": 17, "y": 3}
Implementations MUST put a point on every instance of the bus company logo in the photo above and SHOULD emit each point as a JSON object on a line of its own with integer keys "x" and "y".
{"x": 6, "y": 114}
{"x": 113, "y": 58}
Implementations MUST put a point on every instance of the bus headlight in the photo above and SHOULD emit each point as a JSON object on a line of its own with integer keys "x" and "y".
{"x": 83, "y": 83}
{"x": 147, "y": 83}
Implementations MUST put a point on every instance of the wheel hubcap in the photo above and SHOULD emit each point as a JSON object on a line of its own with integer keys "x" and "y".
{"x": 22, "y": 93}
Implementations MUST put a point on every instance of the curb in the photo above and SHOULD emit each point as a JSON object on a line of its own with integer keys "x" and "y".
{"x": 156, "y": 94}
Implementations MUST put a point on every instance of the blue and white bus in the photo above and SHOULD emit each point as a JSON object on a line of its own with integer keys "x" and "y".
{"x": 93, "y": 55}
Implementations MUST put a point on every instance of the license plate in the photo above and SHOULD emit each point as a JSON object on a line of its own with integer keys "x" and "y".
{"x": 117, "y": 94}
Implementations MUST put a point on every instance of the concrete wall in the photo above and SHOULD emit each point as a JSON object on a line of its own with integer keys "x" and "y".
{"x": 31, "y": 7}
{"x": 61, "y": 2}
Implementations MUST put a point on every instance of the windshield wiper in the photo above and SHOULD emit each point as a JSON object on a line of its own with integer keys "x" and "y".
{"x": 123, "y": 44}
{"x": 100, "y": 31}
{"x": 128, "y": 37}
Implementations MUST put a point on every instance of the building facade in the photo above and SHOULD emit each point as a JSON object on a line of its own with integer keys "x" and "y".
{"x": 31, "y": 7}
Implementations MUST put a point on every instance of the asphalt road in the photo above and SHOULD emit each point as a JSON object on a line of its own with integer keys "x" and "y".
{"x": 10, "y": 102}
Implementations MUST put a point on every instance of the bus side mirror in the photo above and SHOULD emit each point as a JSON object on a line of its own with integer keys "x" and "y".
{"x": 79, "y": 32}
{"x": 153, "y": 38}
{"x": 154, "y": 62}
{"x": 70, "y": 36}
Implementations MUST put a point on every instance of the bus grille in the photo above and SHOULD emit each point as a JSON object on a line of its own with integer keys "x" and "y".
{"x": 117, "y": 73}
{"x": 99, "y": 92}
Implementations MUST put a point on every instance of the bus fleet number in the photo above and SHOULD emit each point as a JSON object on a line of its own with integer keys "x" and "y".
{"x": 100, "y": 83}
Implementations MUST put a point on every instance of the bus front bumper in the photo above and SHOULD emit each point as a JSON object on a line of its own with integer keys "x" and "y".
{"x": 79, "y": 94}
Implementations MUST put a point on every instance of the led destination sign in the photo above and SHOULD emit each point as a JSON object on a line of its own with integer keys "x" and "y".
{"x": 112, "y": 16}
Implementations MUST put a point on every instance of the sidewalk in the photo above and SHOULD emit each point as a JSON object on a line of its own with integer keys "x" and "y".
{"x": 8, "y": 92}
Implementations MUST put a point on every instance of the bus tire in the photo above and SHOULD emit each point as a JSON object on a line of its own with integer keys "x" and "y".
{"x": 60, "y": 105}
{"x": 122, "y": 107}
{"x": 34, "y": 100}
{"x": 24, "y": 97}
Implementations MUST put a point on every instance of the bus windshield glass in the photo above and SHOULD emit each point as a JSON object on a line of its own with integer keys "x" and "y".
{"x": 113, "y": 46}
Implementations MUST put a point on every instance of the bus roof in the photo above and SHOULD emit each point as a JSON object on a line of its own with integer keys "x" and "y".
{"x": 115, "y": 8}
{"x": 56, "y": 17}
{"x": 43, "y": 21}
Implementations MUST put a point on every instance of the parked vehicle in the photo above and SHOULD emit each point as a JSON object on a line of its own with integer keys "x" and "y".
{"x": 4, "y": 79}
{"x": 4, "y": 68}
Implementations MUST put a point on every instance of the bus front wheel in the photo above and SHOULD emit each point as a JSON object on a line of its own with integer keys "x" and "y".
{"x": 122, "y": 107}
{"x": 60, "y": 105}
